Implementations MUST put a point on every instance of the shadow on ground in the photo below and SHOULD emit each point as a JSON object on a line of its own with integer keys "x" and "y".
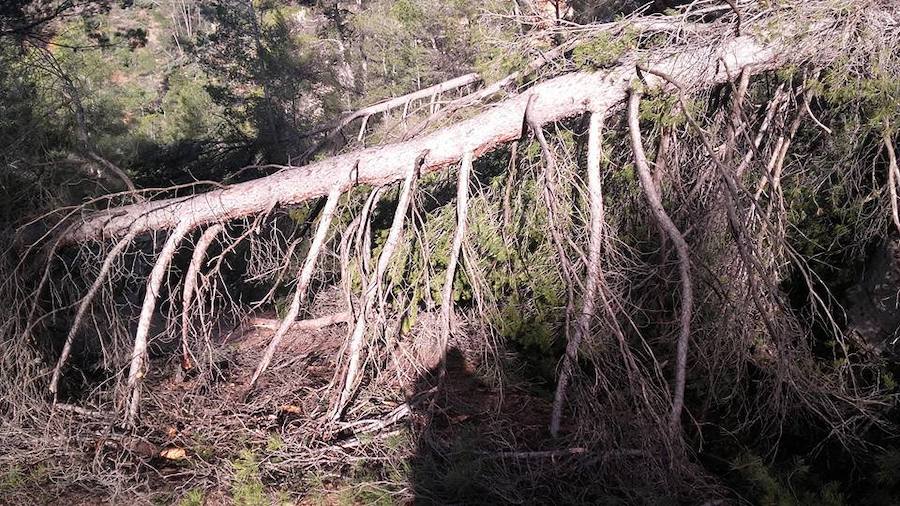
{"x": 487, "y": 445}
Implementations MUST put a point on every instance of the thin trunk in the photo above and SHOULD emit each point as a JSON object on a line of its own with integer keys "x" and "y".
{"x": 557, "y": 98}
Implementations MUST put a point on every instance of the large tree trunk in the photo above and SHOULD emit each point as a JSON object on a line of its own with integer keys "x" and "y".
{"x": 556, "y": 99}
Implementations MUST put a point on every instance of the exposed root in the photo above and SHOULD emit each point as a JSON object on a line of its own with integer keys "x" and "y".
{"x": 594, "y": 273}
{"x": 681, "y": 248}
{"x": 139, "y": 353}
{"x": 304, "y": 277}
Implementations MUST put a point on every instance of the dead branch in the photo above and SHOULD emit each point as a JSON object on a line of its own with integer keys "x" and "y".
{"x": 506, "y": 83}
{"x": 303, "y": 278}
{"x": 139, "y": 352}
{"x": 681, "y": 248}
{"x": 82, "y": 308}
{"x": 311, "y": 324}
{"x": 462, "y": 210}
{"x": 893, "y": 173}
{"x": 119, "y": 173}
{"x": 190, "y": 282}
{"x": 774, "y": 105}
{"x": 387, "y": 251}
{"x": 550, "y": 173}
{"x": 334, "y": 127}
{"x": 776, "y": 163}
{"x": 78, "y": 410}
{"x": 594, "y": 273}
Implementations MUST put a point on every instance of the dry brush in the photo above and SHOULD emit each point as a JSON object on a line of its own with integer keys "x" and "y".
{"x": 733, "y": 159}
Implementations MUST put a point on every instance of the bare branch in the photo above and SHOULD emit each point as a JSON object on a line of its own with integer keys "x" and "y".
{"x": 357, "y": 336}
{"x": 139, "y": 352}
{"x": 462, "y": 203}
{"x": 681, "y": 248}
{"x": 893, "y": 173}
{"x": 304, "y": 276}
{"x": 190, "y": 282}
{"x": 594, "y": 273}
{"x": 83, "y": 305}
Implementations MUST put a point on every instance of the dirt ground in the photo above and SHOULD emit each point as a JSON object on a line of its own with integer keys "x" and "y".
{"x": 204, "y": 439}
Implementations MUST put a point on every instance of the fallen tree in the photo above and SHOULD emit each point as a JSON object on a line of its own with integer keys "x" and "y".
{"x": 693, "y": 177}
{"x": 553, "y": 100}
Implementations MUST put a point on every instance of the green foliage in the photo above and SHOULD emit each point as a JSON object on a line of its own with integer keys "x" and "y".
{"x": 795, "y": 485}
{"x": 887, "y": 472}
{"x": 494, "y": 63}
{"x": 603, "y": 50}
{"x": 664, "y": 109}
{"x": 412, "y": 44}
{"x": 787, "y": 73}
{"x": 11, "y": 479}
{"x": 16, "y": 480}
{"x": 876, "y": 91}
{"x": 824, "y": 223}
{"x": 274, "y": 443}
{"x": 408, "y": 13}
{"x": 246, "y": 486}
{"x": 365, "y": 493}
{"x": 184, "y": 112}
{"x": 193, "y": 497}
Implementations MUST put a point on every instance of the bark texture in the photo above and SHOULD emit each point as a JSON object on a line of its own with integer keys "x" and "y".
{"x": 553, "y": 100}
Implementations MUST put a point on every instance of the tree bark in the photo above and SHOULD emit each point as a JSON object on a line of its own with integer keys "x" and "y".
{"x": 556, "y": 99}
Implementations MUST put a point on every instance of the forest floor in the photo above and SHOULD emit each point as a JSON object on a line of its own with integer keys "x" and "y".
{"x": 204, "y": 440}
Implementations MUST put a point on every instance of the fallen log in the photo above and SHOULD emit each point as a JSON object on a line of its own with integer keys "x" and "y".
{"x": 553, "y": 100}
